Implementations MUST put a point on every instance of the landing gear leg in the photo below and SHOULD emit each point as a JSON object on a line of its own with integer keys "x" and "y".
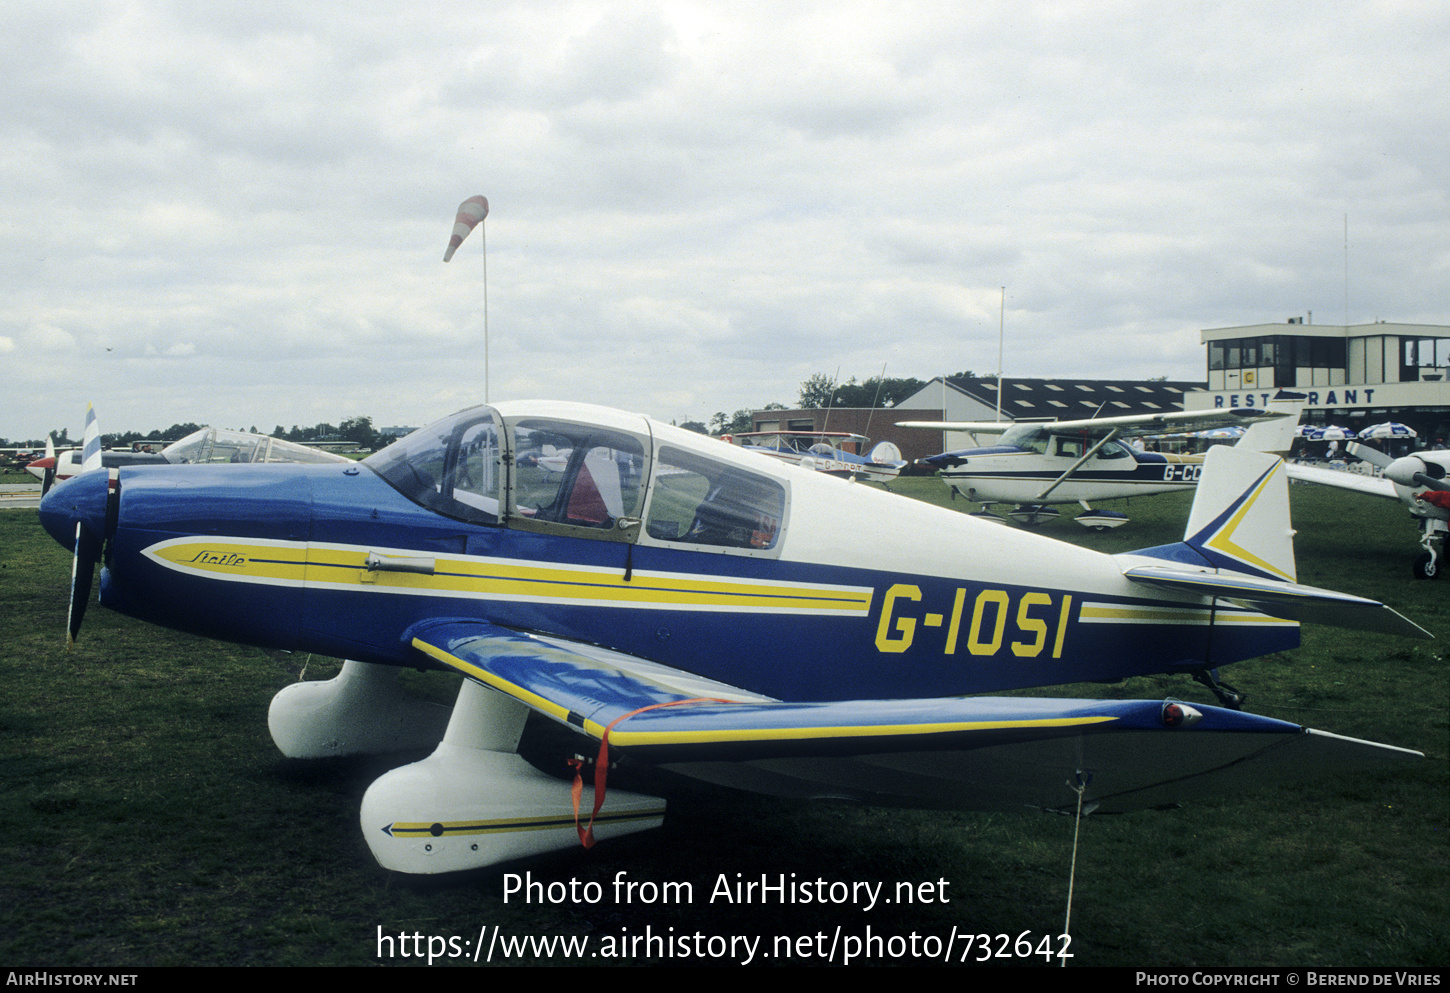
{"x": 1227, "y": 695}
{"x": 1427, "y": 565}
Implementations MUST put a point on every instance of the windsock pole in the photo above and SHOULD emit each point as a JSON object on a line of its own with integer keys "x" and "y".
{"x": 471, "y": 213}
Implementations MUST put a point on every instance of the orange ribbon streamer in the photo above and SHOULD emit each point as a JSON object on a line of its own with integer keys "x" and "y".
{"x": 601, "y": 767}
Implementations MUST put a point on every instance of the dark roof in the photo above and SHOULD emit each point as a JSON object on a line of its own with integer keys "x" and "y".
{"x": 1073, "y": 398}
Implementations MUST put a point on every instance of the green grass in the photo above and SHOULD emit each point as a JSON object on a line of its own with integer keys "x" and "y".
{"x": 150, "y": 821}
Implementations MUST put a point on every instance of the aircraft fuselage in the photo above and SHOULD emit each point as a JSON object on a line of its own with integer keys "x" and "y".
{"x": 859, "y": 594}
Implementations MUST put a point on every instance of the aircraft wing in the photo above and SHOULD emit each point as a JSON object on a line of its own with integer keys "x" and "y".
{"x": 955, "y": 752}
{"x": 1127, "y": 425}
{"x": 974, "y": 427}
{"x": 1342, "y": 479}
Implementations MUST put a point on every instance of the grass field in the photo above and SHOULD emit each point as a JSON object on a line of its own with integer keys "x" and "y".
{"x": 150, "y": 821}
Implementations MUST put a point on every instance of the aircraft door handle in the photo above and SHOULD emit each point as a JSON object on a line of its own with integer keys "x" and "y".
{"x": 626, "y": 523}
{"x": 423, "y": 565}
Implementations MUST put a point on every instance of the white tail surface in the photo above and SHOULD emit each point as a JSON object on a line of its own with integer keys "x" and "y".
{"x": 1240, "y": 517}
{"x": 1275, "y": 434}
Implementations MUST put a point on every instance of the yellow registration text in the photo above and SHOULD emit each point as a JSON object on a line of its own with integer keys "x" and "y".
{"x": 1028, "y": 625}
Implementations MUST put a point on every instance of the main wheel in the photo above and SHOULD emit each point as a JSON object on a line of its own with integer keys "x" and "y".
{"x": 1426, "y": 566}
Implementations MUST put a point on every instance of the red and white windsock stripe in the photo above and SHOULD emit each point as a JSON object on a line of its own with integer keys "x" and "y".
{"x": 470, "y": 212}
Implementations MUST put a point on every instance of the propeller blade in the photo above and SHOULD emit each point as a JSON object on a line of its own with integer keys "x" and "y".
{"x": 1373, "y": 456}
{"x": 82, "y": 575}
{"x": 89, "y": 548}
{"x": 1420, "y": 479}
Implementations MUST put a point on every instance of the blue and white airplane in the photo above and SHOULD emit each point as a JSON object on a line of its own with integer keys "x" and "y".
{"x": 716, "y": 612}
{"x": 1037, "y": 464}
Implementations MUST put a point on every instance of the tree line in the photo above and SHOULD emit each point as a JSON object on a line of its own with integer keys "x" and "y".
{"x": 817, "y": 392}
{"x": 358, "y": 430}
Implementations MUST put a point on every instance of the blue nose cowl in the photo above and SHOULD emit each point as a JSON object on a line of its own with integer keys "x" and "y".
{"x": 78, "y": 499}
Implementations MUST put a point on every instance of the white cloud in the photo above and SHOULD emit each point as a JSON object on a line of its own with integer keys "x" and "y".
{"x": 695, "y": 205}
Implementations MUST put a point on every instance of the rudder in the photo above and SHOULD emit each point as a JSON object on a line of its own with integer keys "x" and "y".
{"x": 1240, "y": 518}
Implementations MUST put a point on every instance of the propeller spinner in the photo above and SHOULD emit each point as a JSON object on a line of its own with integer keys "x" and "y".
{"x": 1409, "y": 471}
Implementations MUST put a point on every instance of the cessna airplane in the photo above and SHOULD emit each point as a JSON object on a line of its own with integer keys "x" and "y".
{"x": 717, "y": 612}
{"x": 1417, "y": 480}
{"x": 1036, "y": 464}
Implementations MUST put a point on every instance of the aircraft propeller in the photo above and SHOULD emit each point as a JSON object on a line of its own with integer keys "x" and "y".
{"x": 1409, "y": 471}
{"x": 85, "y": 511}
{"x": 82, "y": 574}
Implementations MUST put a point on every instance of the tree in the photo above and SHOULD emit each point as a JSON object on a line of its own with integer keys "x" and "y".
{"x": 740, "y": 421}
{"x": 359, "y": 431}
{"x": 696, "y": 427}
{"x": 817, "y": 391}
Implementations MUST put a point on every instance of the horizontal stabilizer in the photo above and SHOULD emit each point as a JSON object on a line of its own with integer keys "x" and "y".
{"x": 954, "y": 752}
{"x": 1275, "y": 434}
{"x": 1291, "y": 601}
{"x": 1239, "y": 527}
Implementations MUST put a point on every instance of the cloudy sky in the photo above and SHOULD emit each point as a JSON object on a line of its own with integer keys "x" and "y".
{"x": 235, "y": 213}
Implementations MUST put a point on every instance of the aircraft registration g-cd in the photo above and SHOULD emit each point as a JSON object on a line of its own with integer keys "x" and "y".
{"x": 717, "y": 612}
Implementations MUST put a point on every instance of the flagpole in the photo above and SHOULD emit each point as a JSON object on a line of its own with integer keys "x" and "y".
{"x": 1001, "y": 327}
{"x": 483, "y": 240}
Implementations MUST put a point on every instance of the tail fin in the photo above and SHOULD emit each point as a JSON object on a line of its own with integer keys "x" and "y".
{"x": 1275, "y": 434}
{"x": 1239, "y": 528}
{"x": 1240, "y": 517}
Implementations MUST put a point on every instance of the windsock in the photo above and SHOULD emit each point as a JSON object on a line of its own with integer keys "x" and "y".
{"x": 91, "y": 442}
{"x": 470, "y": 212}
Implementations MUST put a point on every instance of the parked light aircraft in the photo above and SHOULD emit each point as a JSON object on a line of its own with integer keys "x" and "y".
{"x": 1036, "y": 464}
{"x": 827, "y": 451}
{"x": 205, "y": 445}
{"x": 1416, "y": 480}
{"x": 717, "y": 612}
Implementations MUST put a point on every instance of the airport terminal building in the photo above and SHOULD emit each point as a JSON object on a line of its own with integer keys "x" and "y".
{"x": 1354, "y": 376}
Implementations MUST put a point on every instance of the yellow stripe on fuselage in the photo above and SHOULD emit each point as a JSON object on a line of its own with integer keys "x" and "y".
{"x": 1113, "y": 613}
{"x": 341, "y": 567}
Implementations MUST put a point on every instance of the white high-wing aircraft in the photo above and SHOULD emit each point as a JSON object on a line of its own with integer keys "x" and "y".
{"x": 1036, "y": 464}
{"x": 713, "y": 611}
{"x": 1418, "y": 481}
